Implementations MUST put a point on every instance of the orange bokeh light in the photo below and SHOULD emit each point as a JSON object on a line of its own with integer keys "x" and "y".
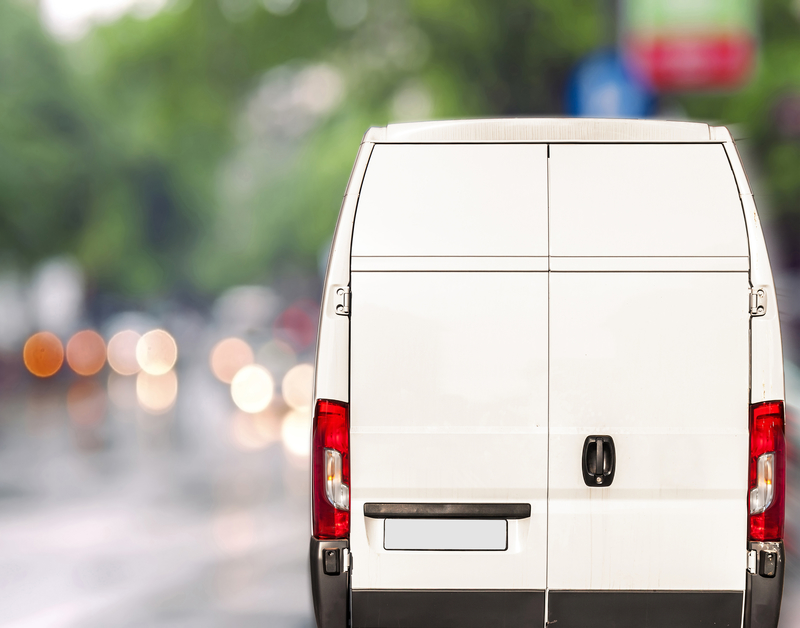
{"x": 86, "y": 352}
{"x": 43, "y": 354}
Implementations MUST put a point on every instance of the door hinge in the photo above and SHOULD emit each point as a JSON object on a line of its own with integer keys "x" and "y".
{"x": 758, "y": 302}
{"x": 343, "y": 303}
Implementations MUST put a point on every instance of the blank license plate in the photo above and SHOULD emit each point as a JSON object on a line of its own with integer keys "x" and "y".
{"x": 445, "y": 534}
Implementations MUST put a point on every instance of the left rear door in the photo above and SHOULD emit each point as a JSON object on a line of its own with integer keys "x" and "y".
{"x": 448, "y": 370}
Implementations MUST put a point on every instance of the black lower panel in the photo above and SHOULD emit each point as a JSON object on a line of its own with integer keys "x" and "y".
{"x": 447, "y": 609}
{"x": 646, "y": 609}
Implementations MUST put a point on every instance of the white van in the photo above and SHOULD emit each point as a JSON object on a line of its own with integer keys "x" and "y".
{"x": 549, "y": 383}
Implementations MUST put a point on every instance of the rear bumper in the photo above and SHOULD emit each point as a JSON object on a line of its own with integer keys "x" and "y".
{"x": 567, "y": 609}
{"x": 646, "y": 609}
{"x": 337, "y": 606}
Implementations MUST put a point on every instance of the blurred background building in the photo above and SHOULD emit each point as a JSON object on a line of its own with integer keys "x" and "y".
{"x": 170, "y": 176}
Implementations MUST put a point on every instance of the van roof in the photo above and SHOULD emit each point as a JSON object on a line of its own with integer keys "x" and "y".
{"x": 547, "y": 130}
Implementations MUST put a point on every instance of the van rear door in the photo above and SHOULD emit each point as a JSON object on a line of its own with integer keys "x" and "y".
{"x": 649, "y": 346}
{"x": 448, "y": 377}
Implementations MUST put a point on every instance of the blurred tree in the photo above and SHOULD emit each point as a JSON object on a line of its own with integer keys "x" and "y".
{"x": 168, "y": 91}
{"x": 48, "y": 149}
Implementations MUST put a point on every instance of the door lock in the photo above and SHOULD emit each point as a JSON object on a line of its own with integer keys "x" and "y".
{"x": 599, "y": 461}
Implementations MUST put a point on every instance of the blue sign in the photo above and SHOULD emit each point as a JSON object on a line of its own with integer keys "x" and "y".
{"x": 601, "y": 86}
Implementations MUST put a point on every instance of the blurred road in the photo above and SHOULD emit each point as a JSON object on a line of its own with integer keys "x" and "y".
{"x": 148, "y": 520}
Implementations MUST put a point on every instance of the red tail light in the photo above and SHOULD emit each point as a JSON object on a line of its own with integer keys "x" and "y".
{"x": 767, "y": 471}
{"x": 331, "y": 470}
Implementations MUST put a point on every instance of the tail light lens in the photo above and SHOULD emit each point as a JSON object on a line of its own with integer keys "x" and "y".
{"x": 331, "y": 470}
{"x": 767, "y": 471}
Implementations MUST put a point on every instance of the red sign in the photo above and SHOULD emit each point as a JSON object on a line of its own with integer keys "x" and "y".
{"x": 679, "y": 46}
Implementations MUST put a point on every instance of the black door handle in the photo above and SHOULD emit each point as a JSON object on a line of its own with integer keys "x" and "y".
{"x": 599, "y": 461}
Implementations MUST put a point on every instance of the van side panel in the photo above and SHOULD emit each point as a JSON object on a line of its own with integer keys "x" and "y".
{"x": 331, "y": 375}
{"x": 767, "y": 355}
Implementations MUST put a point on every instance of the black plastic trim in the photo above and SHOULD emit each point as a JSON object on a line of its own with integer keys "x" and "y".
{"x": 329, "y": 592}
{"x": 645, "y": 609}
{"x": 599, "y": 455}
{"x": 447, "y": 511}
{"x": 380, "y": 608}
{"x": 762, "y": 607}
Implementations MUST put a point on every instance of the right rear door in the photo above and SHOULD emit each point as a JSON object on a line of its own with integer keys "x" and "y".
{"x": 649, "y": 345}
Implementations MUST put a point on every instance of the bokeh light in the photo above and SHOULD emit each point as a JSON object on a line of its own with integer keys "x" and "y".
{"x": 297, "y": 386}
{"x": 245, "y": 432}
{"x": 256, "y": 431}
{"x": 252, "y": 388}
{"x": 122, "y": 391}
{"x": 122, "y": 352}
{"x": 156, "y": 393}
{"x": 86, "y": 352}
{"x": 296, "y": 432}
{"x": 43, "y": 354}
{"x": 228, "y": 357}
{"x": 267, "y": 425}
{"x": 86, "y": 403}
{"x": 156, "y": 352}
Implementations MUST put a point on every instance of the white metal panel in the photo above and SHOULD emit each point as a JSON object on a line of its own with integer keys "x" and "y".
{"x": 449, "y": 404}
{"x": 644, "y": 200}
{"x": 640, "y": 264}
{"x": 471, "y": 200}
{"x": 767, "y": 351}
{"x": 331, "y": 375}
{"x": 766, "y": 383}
{"x": 658, "y": 361}
{"x": 410, "y": 263}
{"x": 541, "y": 130}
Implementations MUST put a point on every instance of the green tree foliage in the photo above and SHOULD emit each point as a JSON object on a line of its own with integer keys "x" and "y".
{"x": 49, "y": 151}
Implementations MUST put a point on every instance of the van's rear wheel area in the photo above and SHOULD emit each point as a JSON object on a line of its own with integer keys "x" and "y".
{"x": 330, "y": 579}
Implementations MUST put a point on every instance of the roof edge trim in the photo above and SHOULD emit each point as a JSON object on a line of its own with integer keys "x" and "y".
{"x": 542, "y": 130}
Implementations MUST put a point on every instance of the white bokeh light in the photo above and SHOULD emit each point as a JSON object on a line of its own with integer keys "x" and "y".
{"x": 296, "y": 432}
{"x": 156, "y": 352}
{"x": 297, "y": 386}
{"x": 71, "y": 19}
{"x": 252, "y": 388}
